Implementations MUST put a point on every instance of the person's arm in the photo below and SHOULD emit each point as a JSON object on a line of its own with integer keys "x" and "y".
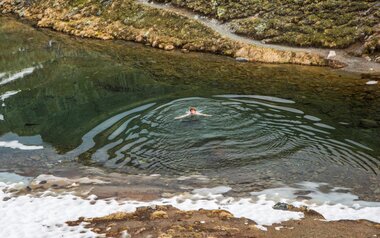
{"x": 202, "y": 114}
{"x": 183, "y": 116}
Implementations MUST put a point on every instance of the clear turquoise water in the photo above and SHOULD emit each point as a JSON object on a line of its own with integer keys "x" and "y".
{"x": 112, "y": 105}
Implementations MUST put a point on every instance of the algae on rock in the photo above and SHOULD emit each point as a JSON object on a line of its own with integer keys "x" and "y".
{"x": 133, "y": 21}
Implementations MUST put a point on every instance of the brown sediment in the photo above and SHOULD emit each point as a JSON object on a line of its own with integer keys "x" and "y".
{"x": 167, "y": 221}
{"x": 129, "y": 20}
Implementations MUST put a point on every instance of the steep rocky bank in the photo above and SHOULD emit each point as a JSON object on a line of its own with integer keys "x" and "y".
{"x": 130, "y": 20}
{"x": 315, "y": 23}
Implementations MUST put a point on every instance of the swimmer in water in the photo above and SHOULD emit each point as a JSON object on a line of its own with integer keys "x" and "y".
{"x": 192, "y": 112}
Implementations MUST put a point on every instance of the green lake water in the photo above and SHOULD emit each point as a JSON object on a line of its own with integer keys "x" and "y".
{"x": 113, "y": 104}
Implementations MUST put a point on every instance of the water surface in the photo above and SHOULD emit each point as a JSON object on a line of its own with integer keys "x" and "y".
{"x": 113, "y": 104}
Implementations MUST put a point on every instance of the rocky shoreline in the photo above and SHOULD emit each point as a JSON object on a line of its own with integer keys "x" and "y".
{"x": 133, "y": 21}
{"x": 169, "y": 222}
{"x": 315, "y": 23}
{"x": 92, "y": 210}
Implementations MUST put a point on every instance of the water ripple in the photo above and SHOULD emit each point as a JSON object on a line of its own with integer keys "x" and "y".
{"x": 242, "y": 131}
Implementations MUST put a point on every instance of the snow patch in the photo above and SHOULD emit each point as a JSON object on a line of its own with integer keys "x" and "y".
{"x": 371, "y": 82}
{"x": 334, "y": 203}
{"x": 8, "y": 94}
{"x": 22, "y": 73}
{"x": 45, "y": 215}
{"x": 331, "y": 54}
{"x": 17, "y": 145}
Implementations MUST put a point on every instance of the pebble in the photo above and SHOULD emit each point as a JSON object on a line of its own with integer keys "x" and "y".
{"x": 158, "y": 215}
{"x": 169, "y": 47}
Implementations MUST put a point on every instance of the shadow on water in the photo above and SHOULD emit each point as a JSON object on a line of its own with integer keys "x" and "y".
{"x": 113, "y": 104}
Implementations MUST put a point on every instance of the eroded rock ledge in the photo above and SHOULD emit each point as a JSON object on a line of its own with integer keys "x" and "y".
{"x": 129, "y": 20}
{"x": 170, "y": 222}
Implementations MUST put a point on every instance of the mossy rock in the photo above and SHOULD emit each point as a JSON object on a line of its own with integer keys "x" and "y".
{"x": 320, "y": 23}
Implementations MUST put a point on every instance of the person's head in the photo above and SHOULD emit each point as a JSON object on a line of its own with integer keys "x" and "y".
{"x": 193, "y": 110}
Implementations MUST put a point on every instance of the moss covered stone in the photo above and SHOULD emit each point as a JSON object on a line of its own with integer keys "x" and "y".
{"x": 320, "y": 23}
{"x": 133, "y": 21}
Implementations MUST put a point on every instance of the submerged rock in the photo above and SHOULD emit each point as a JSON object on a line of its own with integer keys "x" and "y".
{"x": 367, "y": 123}
{"x": 169, "y": 47}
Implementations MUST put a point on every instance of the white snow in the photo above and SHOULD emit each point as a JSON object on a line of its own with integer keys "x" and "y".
{"x": 263, "y": 228}
{"x": 371, "y": 82}
{"x": 333, "y": 205}
{"x": 45, "y": 215}
{"x": 5, "y": 96}
{"x": 8, "y": 94}
{"x": 22, "y": 73}
{"x": 331, "y": 54}
{"x": 14, "y": 144}
{"x": 342, "y": 212}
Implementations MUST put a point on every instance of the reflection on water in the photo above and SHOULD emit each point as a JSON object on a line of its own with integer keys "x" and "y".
{"x": 113, "y": 104}
{"x": 22, "y": 73}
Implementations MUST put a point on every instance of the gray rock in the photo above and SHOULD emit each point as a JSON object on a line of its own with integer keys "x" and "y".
{"x": 21, "y": 13}
{"x": 280, "y": 206}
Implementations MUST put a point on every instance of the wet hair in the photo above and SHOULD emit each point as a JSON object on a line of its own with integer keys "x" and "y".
{"x": 192, "y": 108}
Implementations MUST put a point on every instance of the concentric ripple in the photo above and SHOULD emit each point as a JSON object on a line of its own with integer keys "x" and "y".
{"x": 242, "y": 131}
